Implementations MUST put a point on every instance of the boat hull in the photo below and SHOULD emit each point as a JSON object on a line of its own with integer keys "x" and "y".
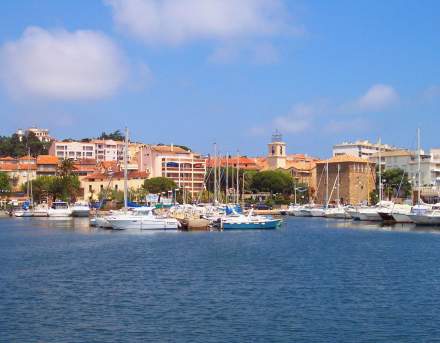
{"x": 425, "y": 220}
{"x": 373, "y": 217}
{"x": 80, "y": 213}
{"x": 386, "y": 216}
{"x": 317, "y": 212}
{"x": 144, "y": 224}
{"x": 269, "y": 225}
{"x": 402, "y": 218}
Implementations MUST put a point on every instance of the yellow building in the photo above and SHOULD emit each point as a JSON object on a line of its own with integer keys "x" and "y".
{"x": 96, "y": 183}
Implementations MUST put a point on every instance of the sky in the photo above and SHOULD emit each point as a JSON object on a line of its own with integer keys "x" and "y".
{"x": 199, "y": 72}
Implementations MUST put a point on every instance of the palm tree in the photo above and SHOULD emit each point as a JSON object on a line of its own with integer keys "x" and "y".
{"x": 66, "y": 168}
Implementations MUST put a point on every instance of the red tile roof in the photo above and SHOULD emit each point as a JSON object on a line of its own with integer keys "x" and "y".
{"x": 47, "y": 159}
{"x": 344, "y": 158}
{"x": 117, "y": 175}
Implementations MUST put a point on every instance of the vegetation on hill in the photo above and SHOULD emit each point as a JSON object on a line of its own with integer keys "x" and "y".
{"x": 116, "y": 135}
{"x": 12, "y": 146}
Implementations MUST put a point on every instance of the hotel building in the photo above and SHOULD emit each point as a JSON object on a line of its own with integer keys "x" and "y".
{"x": 98, "y": 149}
{"x": 361, "y": 148}
{"x": 186, "y": 168}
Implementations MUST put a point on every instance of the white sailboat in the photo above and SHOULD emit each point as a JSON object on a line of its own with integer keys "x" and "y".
{"x": 140, "y": 218}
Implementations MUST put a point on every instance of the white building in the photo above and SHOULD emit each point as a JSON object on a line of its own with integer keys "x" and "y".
{"x": 361, "y": 148}
{"x": 185, "y": 168}
{"x": 101, "y": 150}
{"x": 72, "y": 150}
{"x": 41, "y": 134}
{"x": 408, "y": 161}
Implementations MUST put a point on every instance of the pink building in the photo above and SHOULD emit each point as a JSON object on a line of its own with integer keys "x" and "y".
{"x": 185, "y": 168}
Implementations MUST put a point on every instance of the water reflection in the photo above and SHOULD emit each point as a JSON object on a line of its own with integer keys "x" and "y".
{"x": 365, "y": 225}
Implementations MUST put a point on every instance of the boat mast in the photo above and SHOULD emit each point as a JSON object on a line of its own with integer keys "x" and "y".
{"x": 418, "y": 167}
{"x": 125, "y": 170}
{"x": 27, "y": 175}
{"x": 215, "y": 173}
{"x": 380, "y": 170}
{"x": 227, "y": 178}
{"x": 337, "y": 189}
{"x": 238, "y": 177}
{"x": 326, "y": 185}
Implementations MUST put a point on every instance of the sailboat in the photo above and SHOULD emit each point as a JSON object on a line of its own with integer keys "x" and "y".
{"x": 320, "y": 211}
{"x": 337, "y": 212}
{"x": 141, "y": 218}
{"x": 26, "y": 210}
{"x": 421, "y": 213}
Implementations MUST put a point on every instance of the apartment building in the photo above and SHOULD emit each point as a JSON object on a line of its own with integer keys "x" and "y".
{"x": 97, "y": 149}
{"x": 408, "y": 161}
{"x": 73, "y": 150}
{"x": 361, "y": 148}
{"x": 186, "y": 168}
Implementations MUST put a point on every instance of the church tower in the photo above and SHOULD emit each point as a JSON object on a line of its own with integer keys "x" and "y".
{"x": 276, "y": 156}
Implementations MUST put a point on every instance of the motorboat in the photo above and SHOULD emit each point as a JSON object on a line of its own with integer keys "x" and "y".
{"x": 428, "y": 218}
{"x": 424, "y": 214}
{"x": 338, "y": 212}
{"x": 60, "y": 209}
{"x": 24, "y": 212}
{"x": 80, "y": 209}
{"x": 247, "y": 222}
{"x": 292, "y": 209}
{"x": 373, "y": 213}
{"x": 317, "y": 212}
{"x": 41, "y": 210}
{"x": 141, "y": 218}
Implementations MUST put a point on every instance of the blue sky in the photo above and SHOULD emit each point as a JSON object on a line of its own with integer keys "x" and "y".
{"x": 196, "y": 72}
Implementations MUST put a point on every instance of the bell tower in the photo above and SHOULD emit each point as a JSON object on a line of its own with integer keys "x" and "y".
{"x": 276, "y": 156}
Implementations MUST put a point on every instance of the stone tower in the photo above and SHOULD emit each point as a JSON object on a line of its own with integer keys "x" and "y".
{"x": 276, "y": 156}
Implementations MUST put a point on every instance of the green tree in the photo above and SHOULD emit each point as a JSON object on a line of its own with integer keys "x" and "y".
{"x": 395, "y": 183}
{"x": 13, "y": 146}
{"x": 66, "y": 168}
{"x": 115, "y": 135}
{"x": 273, "y": 181}
{"x": 158, "y": 185}
{"x": 5, "y": 183}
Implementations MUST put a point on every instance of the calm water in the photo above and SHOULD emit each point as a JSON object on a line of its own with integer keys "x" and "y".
{"x": 313, "y": 280}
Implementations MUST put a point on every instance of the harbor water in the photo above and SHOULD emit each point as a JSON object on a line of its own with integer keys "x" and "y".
{"x": 311, "y": 280}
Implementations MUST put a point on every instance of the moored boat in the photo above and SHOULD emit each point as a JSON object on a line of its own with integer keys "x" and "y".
{"x": 80, "y": 209}
{"x": 60, "y": 209}
{"x": 249, "y": 222}
{"x": 141, "y": 218}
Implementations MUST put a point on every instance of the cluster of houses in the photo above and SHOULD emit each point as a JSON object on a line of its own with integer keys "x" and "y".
{"x": 99, "y": 164}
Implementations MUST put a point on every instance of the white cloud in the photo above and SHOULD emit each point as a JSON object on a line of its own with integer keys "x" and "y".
{"x": 178, "y": 21}
{"x": 378, "y": 97}
{"x": 61, "y": 65}
{"x": 298, "y": 120}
